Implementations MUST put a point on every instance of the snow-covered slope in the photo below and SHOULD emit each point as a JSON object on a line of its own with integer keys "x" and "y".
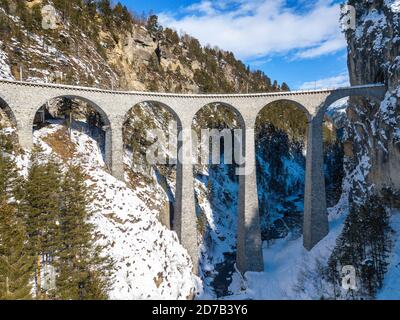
{"x": 217, "y": 194}
{"x": 150, "y": 262}
{"x": 5, "y": 71}
{"x": 290, "y": 271}
{"x": 391, "y": 284}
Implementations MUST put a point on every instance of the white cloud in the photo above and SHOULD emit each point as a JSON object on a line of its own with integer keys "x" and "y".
{"x": 258, "y": 28}
{"x": 205, "y": 7}
{"x": 341, "y": 80}
{"x": 323, "y": 48}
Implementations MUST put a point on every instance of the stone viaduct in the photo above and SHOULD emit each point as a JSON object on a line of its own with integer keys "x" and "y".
{"x": 23, "y": 99}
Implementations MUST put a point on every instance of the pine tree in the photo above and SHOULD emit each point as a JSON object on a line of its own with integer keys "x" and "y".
{"x": 90, "y": 13}
{"x": 365, "y": 244}
{"x": 10, "y": 181}
{"x": 285, "y": 87}
{"x": 105, "y": 10}
{"x": 41, "y": 210}
{"x": 154, "y": 28}
{"x": 15, "y": 262}
{"x": 82, "y": 272}
{"x": 122, "y": 17}
{"x": 16, "y": 265}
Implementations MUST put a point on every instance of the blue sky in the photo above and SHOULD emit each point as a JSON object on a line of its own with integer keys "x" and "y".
{"x": 297, "y": 41}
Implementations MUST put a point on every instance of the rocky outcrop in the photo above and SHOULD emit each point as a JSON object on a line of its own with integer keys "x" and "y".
{"x": 374, "y": 56}
{"x": 129, "y": 59}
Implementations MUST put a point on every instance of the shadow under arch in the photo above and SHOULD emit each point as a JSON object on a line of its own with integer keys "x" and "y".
{"x": 217, "y": 191}
{"x": 4, "y": 106}
{"x": 230, "y": 114}
{"x": 334, "y": 122}
{"x": 280, "y": 143}
{"x": 89, "y": 102}
{"x": 139, "y": 119}
{"x": 103, "y": 122}
{"x": 227, "y": 106}
{"x": 9, "y": 140}
{"x": 286, "y": 102}
{"x": 152, "y": 103}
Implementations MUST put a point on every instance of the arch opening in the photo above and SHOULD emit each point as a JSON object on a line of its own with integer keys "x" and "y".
{"x": 281, "y": 140}
{"x": 150, "y": 138}
{"x": 79, "y": 122}
{"x": 8, "y": 128}
{"x": 7, "y": 117}
{"x": 217, "y": 191}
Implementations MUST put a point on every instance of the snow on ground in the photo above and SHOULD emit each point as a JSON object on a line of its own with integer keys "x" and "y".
{"x": 284, "y": 260}
{"x": 5, "y": 71}
{"x": 150, "y": 262}
{"x": 338, "y": 106}
{"x": 393, "y": 4}
{"x": 391, "y": 283}
{"x": 219, "y": 237}
{"x": 373, "y": 24}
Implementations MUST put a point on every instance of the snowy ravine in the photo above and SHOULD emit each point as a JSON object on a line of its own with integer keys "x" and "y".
{"x": 149, "y": 261}
{"x": 217, "y": 197}
{"x": 286, "y": 261}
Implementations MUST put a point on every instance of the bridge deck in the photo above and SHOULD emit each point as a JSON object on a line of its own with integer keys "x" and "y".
{"x": 185, "y": 95}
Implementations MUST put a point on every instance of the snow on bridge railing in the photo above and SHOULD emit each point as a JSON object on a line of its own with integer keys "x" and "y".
{"x": 187, "y": 95}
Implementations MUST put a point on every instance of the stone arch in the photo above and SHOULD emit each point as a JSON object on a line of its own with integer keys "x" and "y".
{"x": 90, "y": 102}
{"x": 281, "y": 137}
{"x": 8, "y": 119}
{"x": 288, "y": 101}
{"x": 163, "y": 105}
{"x": 213, "y": 186}
{"x": 316, "y": 225}
{"x": 164, "y": 172}
{"x": 227, "y": 105}
{"x": 233, "y": 110}
{"x": 105, "y": 119}
{"x": 371, "y": 93}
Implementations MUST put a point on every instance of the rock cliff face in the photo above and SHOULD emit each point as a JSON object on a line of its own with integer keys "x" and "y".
{"x": 133, "y": 58}
{"x": 374, "y": 56}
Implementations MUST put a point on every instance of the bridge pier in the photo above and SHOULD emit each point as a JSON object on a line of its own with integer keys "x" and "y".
{"x": 114, "y": 145}
{"x": 25, "y": 135}
{"x": 108, "y": 149}
{"x": 249, "y": 243}
{"x": 315, "y": 226}
{"x": 185, "y": 218}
